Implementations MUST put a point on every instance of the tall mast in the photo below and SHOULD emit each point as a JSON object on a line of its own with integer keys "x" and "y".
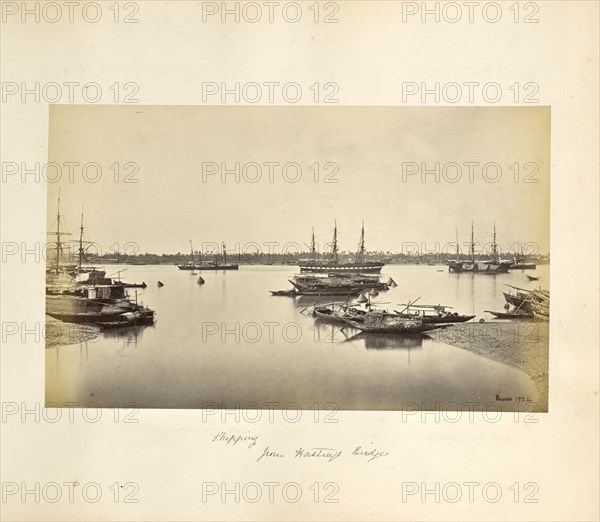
{"x": 494, "y": 246}
{"x": 313, "y": 248}
{"x": 457, "y": 245}
{"x": 58, "y": 235}
{"x": 192, "y": 251}
{"x": 472, "y": 243}
{"x": 58, "y": 244}
{"x": 224, "y": 255}
{"x": 360, "y": 254}
{"x": 334, "y": 248}
{"x": 81, "y": 240}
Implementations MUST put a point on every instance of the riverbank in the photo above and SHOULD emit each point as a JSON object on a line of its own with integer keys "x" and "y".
{"x": 60, "y": 334}
{"x": 524, "y": 345}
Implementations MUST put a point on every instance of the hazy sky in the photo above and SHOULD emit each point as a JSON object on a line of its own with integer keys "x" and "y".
{"x": 175, "y": 200}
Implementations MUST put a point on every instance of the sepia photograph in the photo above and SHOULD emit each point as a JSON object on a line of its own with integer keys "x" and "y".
{"x": 354, "y": 258}
{"x": 292, "y": 261}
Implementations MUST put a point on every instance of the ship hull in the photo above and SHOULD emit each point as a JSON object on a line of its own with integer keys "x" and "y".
{"x": 480, "y": 268}
{"x": 345, "y": 268}
{"x": 521, "y": 302}
{"x": 208, "y": 267}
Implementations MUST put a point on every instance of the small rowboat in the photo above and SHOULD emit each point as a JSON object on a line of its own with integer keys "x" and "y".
{"x": 290, "y": 293}
{"x": 145, "y": 317}
{"x": 511, "y": 315}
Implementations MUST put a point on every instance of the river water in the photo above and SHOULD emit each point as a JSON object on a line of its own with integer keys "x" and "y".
{"x": 229, "y": 343}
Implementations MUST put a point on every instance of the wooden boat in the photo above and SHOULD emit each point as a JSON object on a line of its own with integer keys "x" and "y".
{"x": 332, "y": 263}
{"x": 337, "y": 312}
{"x": 336, "y": 284}
{"x": 519, "y": 300}
{"x": 329, "y": 314}
{"x": 511, "y": 315}
{"x": 532, "y": 278}
{"x": 142, "y": 317}
{"x": 73, "y": 312}
{"x": 526, "y": 299}
{"x": 290, "y": 293}
{"x": 377, "y": 322}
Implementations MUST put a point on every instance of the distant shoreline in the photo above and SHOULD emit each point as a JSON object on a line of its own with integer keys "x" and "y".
{"x": 275, "y": 263}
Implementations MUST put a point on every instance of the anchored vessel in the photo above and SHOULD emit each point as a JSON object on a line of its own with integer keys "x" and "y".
{"x": 336, "y": 284}
{"x": 332, "y": 263}
{"x": 492, "y": 266}
{"x": 208, "y": 265}
{"x": 379, "y": 322}
{"x": 85, "y": 295}
{"x": 372, "y": 321}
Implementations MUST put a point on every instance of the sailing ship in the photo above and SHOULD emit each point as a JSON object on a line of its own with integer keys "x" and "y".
{"x": 332, "y": 263}
{"x": 208, "y": 265}
{"x": 60, "y": 259}
{"x": 492, "y": 266}
{"x": 70, "y": 297}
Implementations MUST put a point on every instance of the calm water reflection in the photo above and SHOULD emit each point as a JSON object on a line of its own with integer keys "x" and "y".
{"x": 229, "y": 342}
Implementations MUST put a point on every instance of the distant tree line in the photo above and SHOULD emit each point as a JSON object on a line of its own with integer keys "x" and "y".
{"x": 294, "y": 258}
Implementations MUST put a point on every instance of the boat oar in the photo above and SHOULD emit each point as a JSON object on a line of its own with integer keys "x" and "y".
{"x": 410, "y": 304}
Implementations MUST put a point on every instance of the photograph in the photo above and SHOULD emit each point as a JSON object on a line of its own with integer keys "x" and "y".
{"x": 292, "y": 261}
{"x": 357, "y": 258}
